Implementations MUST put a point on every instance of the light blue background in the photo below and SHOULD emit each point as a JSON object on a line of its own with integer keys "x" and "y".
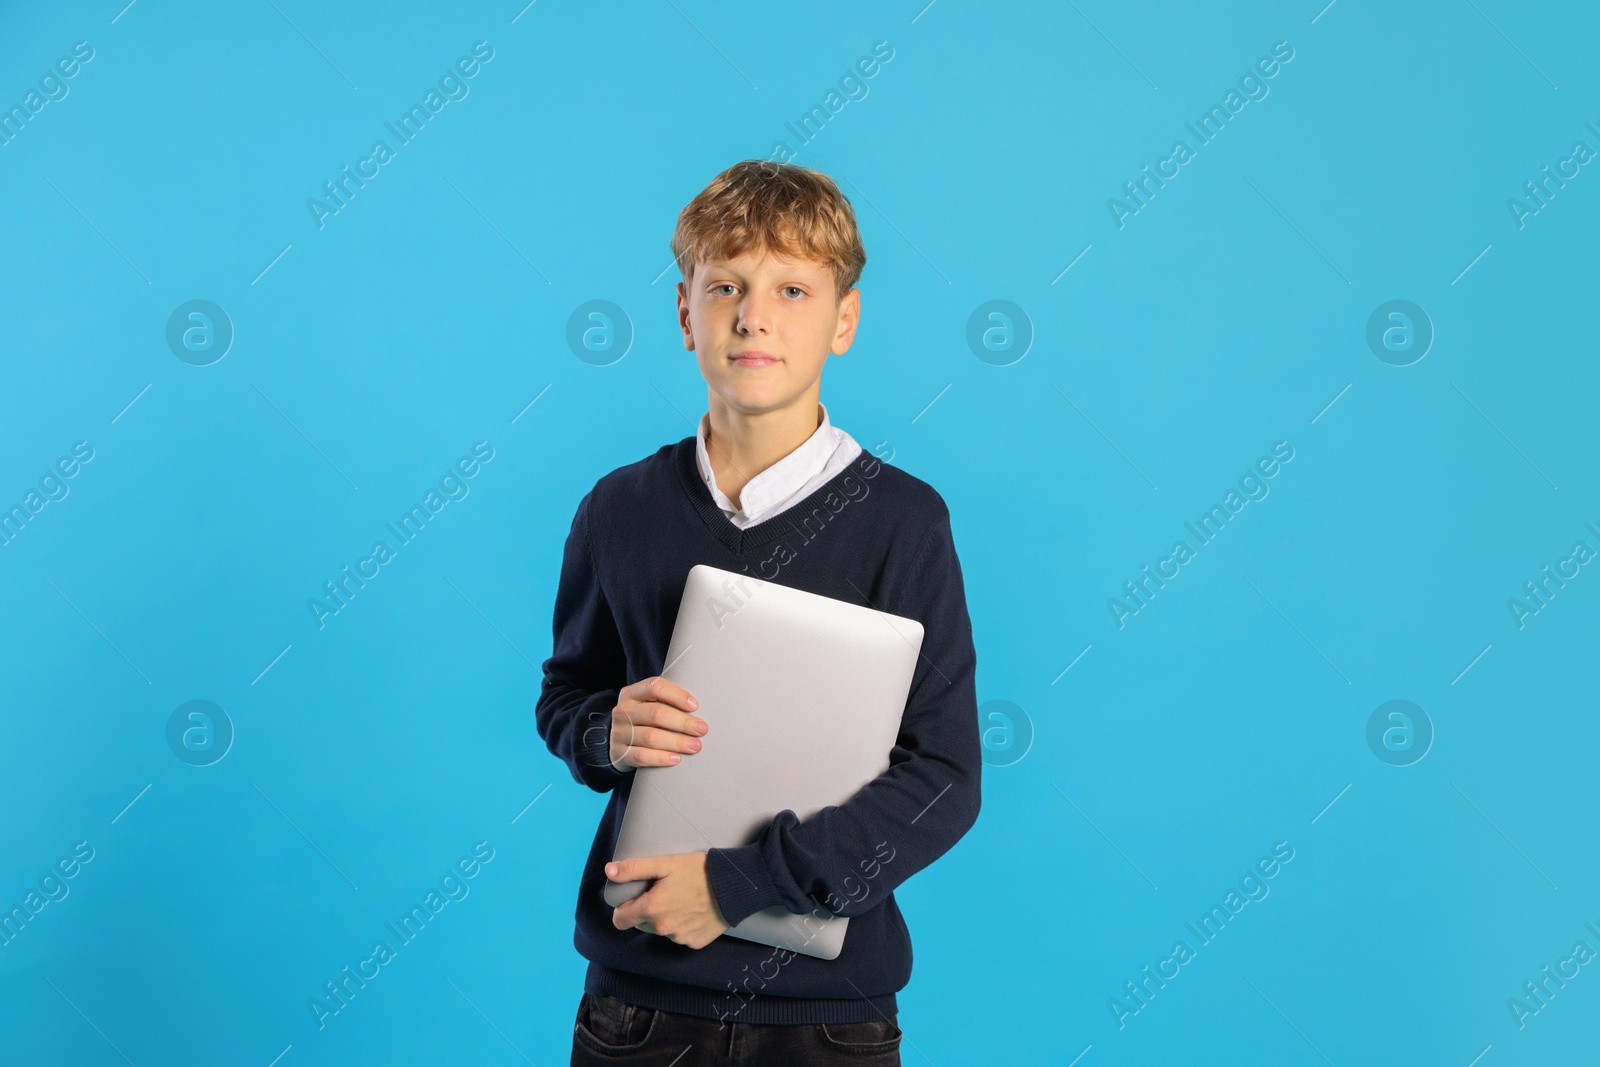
{"x": 427, "y": 314}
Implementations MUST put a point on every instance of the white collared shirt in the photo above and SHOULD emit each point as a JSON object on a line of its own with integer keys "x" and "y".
{"x": 787, "y": 482}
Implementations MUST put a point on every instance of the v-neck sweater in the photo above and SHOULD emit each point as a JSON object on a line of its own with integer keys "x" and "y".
{"x": 871, "y": 535}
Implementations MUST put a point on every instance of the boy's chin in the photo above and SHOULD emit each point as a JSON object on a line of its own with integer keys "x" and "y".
{"x": 759, "y": 401}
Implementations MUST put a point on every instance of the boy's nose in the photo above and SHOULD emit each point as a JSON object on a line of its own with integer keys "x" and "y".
{"x": 753, "y": 314}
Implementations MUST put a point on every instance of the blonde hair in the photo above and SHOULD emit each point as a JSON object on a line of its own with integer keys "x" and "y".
{"x": 780, "y": 207}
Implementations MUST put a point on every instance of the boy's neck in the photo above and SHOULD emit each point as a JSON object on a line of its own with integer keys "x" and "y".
{"x": 741, "y": 446}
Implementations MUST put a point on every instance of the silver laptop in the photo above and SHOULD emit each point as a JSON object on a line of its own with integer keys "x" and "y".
{"x": 804, "y": 695}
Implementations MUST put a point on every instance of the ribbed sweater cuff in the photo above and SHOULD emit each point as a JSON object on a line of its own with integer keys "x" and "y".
{"x": 740, "y": 882}
{"x": 594, "y": 743}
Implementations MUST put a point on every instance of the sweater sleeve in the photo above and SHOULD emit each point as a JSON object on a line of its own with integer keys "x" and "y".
{"x": 585, "y": 672}
{"x": 847, "y": 858}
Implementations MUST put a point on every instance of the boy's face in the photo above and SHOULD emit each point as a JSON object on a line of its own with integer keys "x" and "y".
{"x": 761, "y": 328}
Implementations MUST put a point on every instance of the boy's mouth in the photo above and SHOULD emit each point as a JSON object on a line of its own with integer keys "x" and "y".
{"x": 752, "y": 358}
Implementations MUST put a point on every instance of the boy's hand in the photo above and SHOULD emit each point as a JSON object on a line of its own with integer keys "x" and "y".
{"x": 678, "y": 906}
{"x": 651, "y": 725}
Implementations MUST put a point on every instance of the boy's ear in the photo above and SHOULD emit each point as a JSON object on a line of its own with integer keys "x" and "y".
{"x": 683, "y": 317}
{"x": 849, "y": 319}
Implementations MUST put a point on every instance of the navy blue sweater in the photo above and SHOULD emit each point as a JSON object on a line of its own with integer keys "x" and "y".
{"x": 872, "y": 535}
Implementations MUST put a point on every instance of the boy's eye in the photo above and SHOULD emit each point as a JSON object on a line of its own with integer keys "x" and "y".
{"x": 727, "y": 289}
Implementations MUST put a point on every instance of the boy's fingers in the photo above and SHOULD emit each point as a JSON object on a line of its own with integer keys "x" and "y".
{"x": 627, "y": 732}
{"x": 673, "y": 719}
{"x": 633, "y": 870}
{"x": 643, "y": 690}
{"x": 671, "y": 693}
{"x": 626, "y": 915}
{"x": 667, "y": 717}
{"x": 667, "y": 740}
{"x": 649, "y": 757}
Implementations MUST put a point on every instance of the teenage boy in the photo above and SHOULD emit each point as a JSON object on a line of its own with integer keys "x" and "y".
{"x": 770, "y": 255}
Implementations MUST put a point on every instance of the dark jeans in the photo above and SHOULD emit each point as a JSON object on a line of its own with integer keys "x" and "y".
{"x": 610, "y": 1031}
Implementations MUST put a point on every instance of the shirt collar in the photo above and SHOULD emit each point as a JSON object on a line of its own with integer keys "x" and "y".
{"x": 779, "y": 481}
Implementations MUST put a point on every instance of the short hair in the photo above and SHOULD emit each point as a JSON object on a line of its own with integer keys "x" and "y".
{"x": 780, "y": 207}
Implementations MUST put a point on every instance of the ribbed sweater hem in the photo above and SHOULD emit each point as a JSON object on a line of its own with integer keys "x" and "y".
{"x": 712, "y": 1004}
